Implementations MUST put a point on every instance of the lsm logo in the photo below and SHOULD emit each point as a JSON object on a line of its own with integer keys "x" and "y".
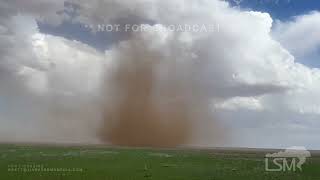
{"x": 290, "y": 159}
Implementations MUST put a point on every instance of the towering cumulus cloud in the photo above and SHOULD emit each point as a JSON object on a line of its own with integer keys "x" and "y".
{"x": 161, "y": 85}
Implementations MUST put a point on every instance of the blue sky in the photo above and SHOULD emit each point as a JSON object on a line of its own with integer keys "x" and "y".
{"x": 280, "y": 9}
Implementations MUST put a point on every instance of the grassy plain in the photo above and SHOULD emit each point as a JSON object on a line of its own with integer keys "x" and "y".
{"x": 31, "y": 162}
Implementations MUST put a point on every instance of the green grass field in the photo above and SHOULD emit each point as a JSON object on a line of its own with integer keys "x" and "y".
{"x": 105, "y": 163}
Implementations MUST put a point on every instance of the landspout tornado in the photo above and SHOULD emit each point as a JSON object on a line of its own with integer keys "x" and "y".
{"x": 136, "y": 116}
{"x": 154, "y": 102}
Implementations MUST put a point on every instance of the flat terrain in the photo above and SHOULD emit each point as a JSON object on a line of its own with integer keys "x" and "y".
{"x": 24, "y": 162}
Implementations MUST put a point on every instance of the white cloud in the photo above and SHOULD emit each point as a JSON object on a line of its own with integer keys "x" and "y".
{"x": 236, "y": 103}
{"x": 301, "y": 36}
{"x": 46, "y": 10}
{"x": 49, "y": 85}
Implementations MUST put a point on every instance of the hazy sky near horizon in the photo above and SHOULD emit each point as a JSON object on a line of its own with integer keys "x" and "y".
{"x": 258, "y": 67}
